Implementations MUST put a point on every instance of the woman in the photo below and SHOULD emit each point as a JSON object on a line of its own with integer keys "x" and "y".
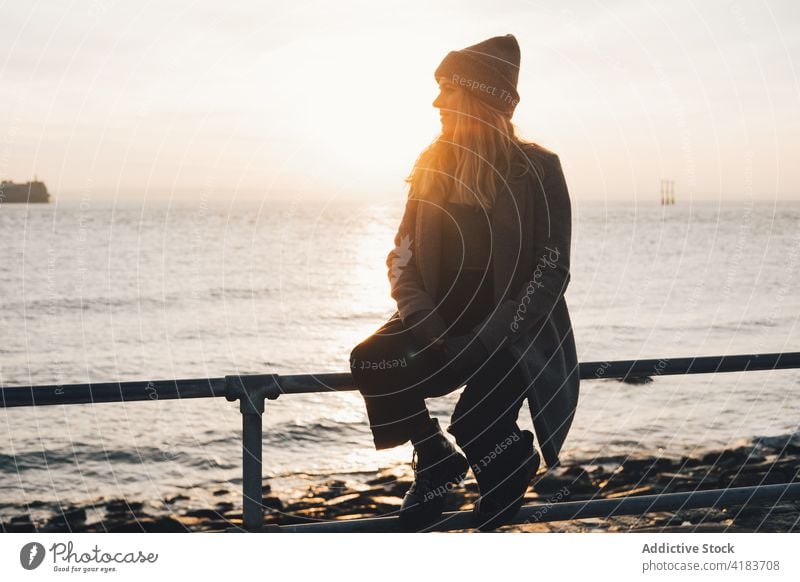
{"x": 479, "y": 271}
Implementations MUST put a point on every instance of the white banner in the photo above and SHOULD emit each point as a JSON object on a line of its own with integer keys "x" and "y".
{"x": 386, "y": 557}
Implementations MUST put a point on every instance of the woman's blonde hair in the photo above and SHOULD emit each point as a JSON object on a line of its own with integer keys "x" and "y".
{"x": 482, "y": 155}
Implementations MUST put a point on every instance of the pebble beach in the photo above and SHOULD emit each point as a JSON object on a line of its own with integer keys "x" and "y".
{"x": 763, "y": 461}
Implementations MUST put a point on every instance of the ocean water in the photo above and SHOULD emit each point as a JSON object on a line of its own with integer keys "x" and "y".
{"x": 102, "y": 292}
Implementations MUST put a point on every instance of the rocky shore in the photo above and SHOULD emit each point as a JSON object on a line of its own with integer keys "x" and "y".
{"x": 765, "y": 460}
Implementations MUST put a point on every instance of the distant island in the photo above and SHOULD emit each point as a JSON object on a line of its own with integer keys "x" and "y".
{"x": 28, "y": 192}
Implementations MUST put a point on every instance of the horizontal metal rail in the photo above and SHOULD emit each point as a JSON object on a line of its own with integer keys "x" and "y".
{"x": 569, "y": 510}
{"x": 138, "y": 390}
{"x": 252, "y": 390}
{"x": 152, "y": 390}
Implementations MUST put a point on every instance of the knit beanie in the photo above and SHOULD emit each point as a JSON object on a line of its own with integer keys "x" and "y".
{"x": 489, "y": 69}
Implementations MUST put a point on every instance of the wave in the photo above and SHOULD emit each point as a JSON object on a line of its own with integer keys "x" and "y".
{"x": 242, "y": 292}
{"x": 356, "y": 315}
{"x": 71, "y": 303}
{"x": 84, "y": 455}
{"x": 321, "y": 432}
{"x": 61, "y": 305}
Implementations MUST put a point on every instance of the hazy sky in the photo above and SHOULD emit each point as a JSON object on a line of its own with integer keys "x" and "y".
{"x": 333, "y": 99}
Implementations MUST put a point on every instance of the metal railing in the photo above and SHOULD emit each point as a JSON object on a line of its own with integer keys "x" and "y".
{"x": 252, "y": 390}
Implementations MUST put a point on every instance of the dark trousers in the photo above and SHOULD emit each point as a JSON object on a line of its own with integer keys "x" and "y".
{"x": 395, "y": 374}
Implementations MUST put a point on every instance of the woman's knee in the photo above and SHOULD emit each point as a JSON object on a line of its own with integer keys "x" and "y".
{"x": 358, "y": 356}
{"x": 385, "y": 345}
{"x": 365, "y": 352}
{"x": 355, "y": 353}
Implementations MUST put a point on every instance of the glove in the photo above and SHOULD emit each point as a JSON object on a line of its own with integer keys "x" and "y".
{"x": 426, "y": 326}
{"x": 465, "y": 353}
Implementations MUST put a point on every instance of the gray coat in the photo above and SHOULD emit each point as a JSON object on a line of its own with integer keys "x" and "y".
{"x": 531, "y": 232}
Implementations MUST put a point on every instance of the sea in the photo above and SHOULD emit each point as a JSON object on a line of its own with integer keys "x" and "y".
{"x": 95, "y": 291}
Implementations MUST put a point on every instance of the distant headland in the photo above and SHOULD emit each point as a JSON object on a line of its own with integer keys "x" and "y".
{"x": 28, "y": 192}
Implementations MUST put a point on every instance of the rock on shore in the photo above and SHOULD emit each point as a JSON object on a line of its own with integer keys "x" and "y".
{"x": 766, "y": 460}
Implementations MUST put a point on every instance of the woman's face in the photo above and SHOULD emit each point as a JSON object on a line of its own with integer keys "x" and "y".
{"x": 445, "y": 102}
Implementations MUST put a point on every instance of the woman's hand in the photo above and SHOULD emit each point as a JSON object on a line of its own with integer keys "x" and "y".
{"x": 465, "y": 353}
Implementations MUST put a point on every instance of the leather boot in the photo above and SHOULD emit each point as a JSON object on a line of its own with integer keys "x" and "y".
{"x": 503, "y": 482}
{"x": 438, "y": 468}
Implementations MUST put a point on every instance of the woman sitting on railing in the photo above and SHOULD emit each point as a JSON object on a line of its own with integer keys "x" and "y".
{"x": 479, "y": 271}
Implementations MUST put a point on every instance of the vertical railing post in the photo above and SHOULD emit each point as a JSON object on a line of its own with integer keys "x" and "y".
{"x": 251, "y": 391}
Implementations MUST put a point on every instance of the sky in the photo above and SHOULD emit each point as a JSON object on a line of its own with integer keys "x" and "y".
{"x": 175, "y": 100}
